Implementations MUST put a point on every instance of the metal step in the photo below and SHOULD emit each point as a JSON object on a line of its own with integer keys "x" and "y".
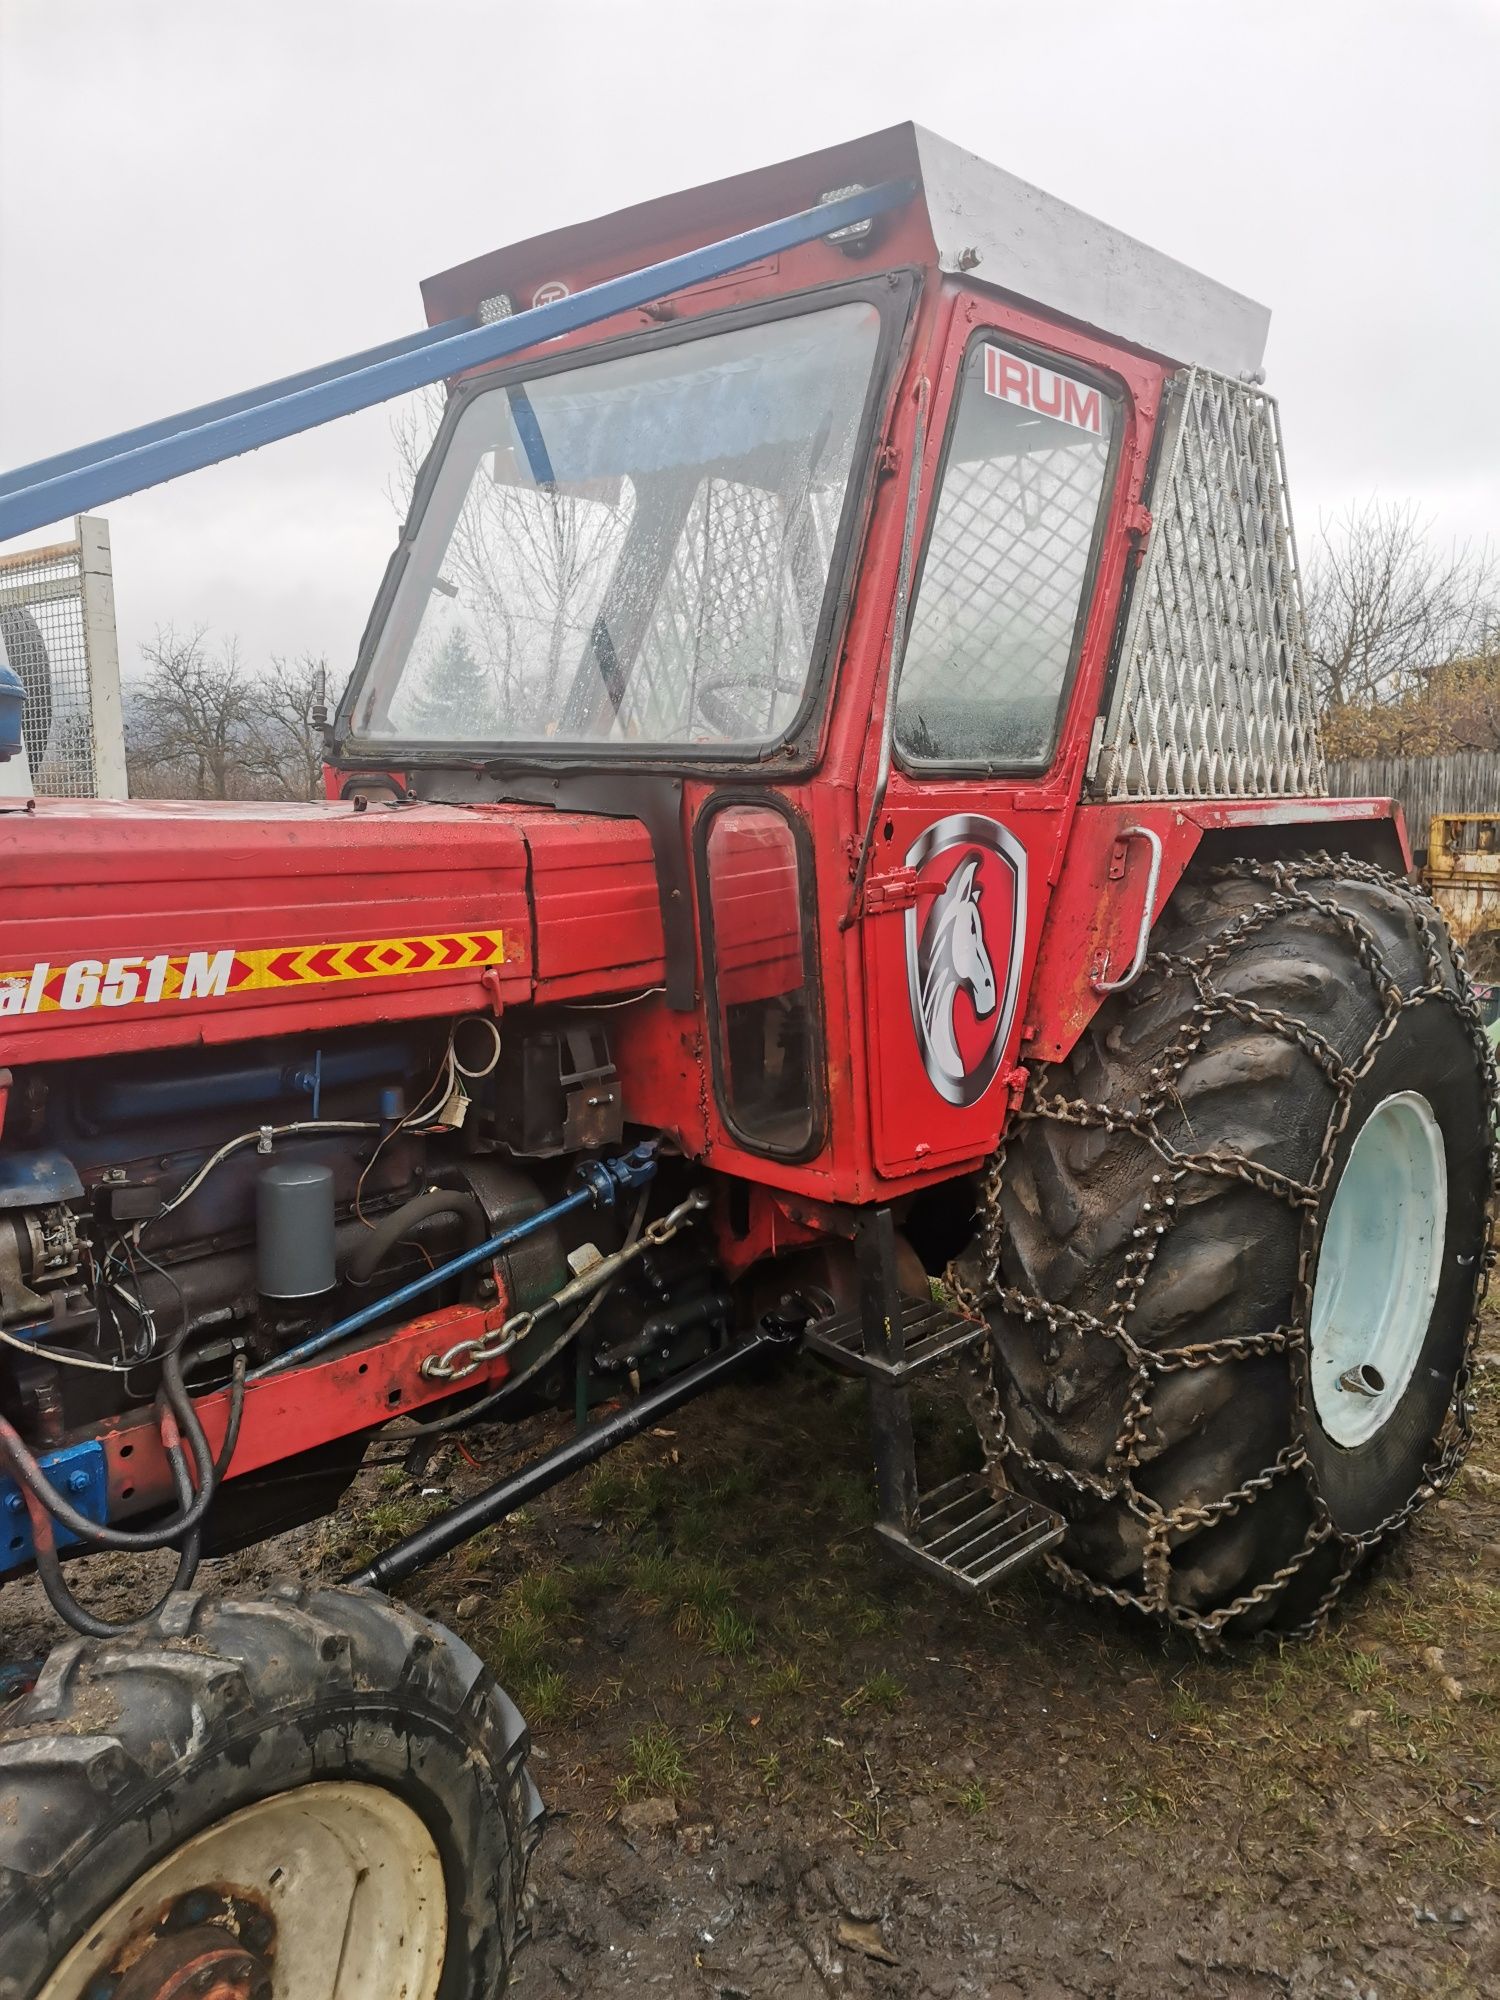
{"x": 930, "y": 1332}
{"x": 965, "y": 1535}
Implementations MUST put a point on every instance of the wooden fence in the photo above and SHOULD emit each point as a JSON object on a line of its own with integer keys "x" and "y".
{"x": 1466, "y": 781}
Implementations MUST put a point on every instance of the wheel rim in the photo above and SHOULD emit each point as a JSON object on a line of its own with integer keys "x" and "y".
{"x": 330, "y": 1892}
{"x": 1378, "y": 1269}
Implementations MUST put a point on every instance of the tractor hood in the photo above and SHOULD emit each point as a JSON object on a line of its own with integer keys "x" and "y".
{"x": 152, "y": 925}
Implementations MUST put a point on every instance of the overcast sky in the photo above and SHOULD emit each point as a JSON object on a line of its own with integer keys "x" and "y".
{"x": 196, "y": 195}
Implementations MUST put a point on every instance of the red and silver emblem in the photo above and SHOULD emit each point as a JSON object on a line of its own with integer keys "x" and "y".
{"x": 965, "y": 941}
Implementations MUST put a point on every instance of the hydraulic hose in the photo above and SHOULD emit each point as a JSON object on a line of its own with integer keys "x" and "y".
{"x": 176, "y": 1404}
{"x": 44, "y": 1540}
{"x": 61, "y": 1598}
{"x": 373, "y": 1249}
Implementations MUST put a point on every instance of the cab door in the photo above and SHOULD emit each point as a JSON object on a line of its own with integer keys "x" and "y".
{"x": 1014, "y": 596}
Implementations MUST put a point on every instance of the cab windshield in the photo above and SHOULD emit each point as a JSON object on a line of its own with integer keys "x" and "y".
{"x": 635, "y": 551}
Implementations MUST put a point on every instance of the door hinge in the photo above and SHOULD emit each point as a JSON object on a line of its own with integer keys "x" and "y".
{"x": 1138, "y": 524}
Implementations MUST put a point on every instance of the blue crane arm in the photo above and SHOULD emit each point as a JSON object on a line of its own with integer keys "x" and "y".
{"x": 89, "y": 476}
{"x": 82, "y": 455}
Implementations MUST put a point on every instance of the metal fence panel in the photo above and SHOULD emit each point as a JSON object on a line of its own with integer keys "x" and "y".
{"x": 1213, "y": 698}
{"x": 57, "y": 620}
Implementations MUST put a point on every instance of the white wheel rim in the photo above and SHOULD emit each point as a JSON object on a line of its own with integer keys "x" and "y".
{"x": 1378, "y": 1269}
{"x": 350, "y": 1876}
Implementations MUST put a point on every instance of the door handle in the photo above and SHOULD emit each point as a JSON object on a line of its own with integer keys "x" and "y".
{"x": 1148, "y": 915}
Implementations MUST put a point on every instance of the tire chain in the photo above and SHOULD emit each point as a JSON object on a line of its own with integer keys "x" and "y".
{"x": 1291, "y": 886}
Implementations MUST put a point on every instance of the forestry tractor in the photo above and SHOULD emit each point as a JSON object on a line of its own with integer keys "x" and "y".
{"x": 826, "y": 848}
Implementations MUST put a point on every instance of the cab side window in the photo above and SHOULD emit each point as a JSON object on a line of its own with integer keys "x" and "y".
{"x": 759, "y": 949}
{"x": 999, "y": 609}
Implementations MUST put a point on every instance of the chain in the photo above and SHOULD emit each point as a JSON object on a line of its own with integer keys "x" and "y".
{"x": 1290, "y": 887}
{"x": 467, "y": 1357}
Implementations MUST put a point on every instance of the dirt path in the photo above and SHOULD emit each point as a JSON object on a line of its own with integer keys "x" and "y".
{"x": 780, "y": 1766}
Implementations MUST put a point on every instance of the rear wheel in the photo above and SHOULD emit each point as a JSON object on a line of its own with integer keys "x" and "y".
{"x": 1243, "y": 1229}
{"x": 317, "y": 1795}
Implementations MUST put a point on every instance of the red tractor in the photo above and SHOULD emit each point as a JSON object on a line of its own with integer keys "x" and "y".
{"x": 826, "y": 846}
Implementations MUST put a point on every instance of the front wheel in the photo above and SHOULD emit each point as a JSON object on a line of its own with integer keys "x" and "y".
{"x": 1239, "y": 1240}
{"x": 316, "y": 1795}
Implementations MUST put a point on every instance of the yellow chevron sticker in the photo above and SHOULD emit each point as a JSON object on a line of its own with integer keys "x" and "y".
{"x": 142, "y": 979}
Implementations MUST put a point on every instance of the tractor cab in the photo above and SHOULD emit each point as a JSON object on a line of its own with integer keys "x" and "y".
{"x": 820, "y": 571}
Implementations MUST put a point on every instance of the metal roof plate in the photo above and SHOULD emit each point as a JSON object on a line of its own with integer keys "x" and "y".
{"x": 977, "y": 218}
{"x": 1042, "y": 249}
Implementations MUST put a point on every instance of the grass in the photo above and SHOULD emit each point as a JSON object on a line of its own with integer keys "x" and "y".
{"x": 705, "y": 1590}
{"x": 786, "y": 1677}
{"x": 1147, "y": 1803}
{"x": 520, "y": 1635}
{"x": 699, "y": 1596}
{"x": 756, "y": 1634}
{"x": 657, "y": 1764}
{"x": 389, "y": 1519}
{"x": 882, "y": 1690}
{"x": 629, "y": 1492}
{"x": 843, "y": 1496}
{"x": 541, "y": 1594}
{"x": 515, "y": 1647}
{"x": 768, "y": 1770}
{"x": 1362, "y": 1671}
{"x": 545, "y": 1697}
{"x": 726, "y": 1592}
{"x": 604, "y": 1488}
{"x": 871, "y": 1616}
{"x": 732, "y": 1635}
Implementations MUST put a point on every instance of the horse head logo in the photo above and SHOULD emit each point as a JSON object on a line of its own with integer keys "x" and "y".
{"x": 963, "y": 960}
{"x": 954, "y": 958}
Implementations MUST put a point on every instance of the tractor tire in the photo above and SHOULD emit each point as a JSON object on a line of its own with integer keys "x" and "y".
{"x": 316, "y": 1790}
{"x": 1185, "y": 1335}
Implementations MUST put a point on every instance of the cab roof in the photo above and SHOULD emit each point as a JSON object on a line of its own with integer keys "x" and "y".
{"x": 967, "y": 216}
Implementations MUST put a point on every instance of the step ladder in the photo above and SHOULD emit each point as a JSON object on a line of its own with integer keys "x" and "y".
{"x": 961, "y": 1531}
{"x": 926, "y": 1334}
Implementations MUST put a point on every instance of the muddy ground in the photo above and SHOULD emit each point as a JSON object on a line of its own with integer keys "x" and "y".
{"x": 779, "y": 1765}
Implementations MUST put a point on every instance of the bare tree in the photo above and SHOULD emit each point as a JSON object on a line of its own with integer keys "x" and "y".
{"x": 188, "y": 718}
{"x": 527, "y": 563}
{"x": 414, "y": 425}
{"x": 284, "y": 753}
{"x": 200, "y": 725}
{"x": 1386, "y": 605}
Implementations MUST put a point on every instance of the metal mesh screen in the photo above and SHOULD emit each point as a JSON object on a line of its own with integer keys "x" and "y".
{"x": 737, "y": 608}
{"x": 993, "y": 628}
{"x": 1213, "y": 698}
{"x": 43, "y": 624}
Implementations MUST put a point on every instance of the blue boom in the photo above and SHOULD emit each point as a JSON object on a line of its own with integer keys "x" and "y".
{"x": 91, "y": 475}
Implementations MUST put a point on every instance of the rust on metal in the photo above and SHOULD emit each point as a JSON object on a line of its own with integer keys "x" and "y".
{"x": 1463, "y": 873}
{"x": 216, "y": 1942}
